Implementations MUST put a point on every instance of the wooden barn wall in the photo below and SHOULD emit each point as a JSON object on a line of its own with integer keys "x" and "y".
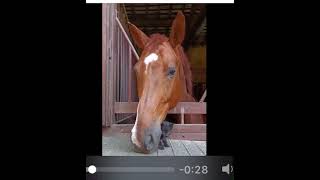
{"x": 197, "y": 57}
{"x": 124, "y": 21}
{"x": 123, "y": 18}
{"x": 108, "y": 63}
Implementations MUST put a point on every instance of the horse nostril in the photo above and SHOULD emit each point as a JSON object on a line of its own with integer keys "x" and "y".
{"x": 148, "y": 142}
{"x": 151, "y": 138}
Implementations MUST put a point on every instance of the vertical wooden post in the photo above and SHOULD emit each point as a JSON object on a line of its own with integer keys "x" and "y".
{"x": 104, "y": 59}
{"x": 108, "y": 63}
{"x": 182, "y": 115}
{"x": 118, "y": 83}
{"x": 121, "y": 72}
{"x": 130, "y": 75}
{"x": 125, "y": 64}
{"x": 113, "y": 59}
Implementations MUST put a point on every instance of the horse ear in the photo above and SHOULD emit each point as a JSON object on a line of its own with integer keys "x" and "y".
{"x": 177, "y": 30}
{"x": 138, "y": 36}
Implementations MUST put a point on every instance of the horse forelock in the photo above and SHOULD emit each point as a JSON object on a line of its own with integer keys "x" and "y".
{"x": 155, "y": 41}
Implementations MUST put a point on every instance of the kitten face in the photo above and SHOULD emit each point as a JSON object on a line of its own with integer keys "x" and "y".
{"x": 166, "y": 128}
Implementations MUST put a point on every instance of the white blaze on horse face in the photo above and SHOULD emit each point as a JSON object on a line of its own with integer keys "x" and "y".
{"x": 150, "y": 58}
{"x": 134, "y": 131}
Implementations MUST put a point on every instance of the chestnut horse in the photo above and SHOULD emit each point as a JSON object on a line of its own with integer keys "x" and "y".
{"x": 163, "y": 79}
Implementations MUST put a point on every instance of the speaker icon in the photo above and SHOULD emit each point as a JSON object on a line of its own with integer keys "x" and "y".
{"x": 227, "y": 168}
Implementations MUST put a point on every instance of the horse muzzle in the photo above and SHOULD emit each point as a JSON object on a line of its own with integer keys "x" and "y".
{"x": 150, "y": 140}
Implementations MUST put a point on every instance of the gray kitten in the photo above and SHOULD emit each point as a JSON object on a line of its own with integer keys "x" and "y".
{"x": 166, "y": 128}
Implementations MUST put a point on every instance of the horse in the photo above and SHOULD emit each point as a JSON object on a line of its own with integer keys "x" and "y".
{"x": 163, "y": 79}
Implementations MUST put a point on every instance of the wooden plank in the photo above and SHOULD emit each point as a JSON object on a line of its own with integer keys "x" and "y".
{"x": 200, "y": 29}
{"x": 121, "y": 68}
{"x": 189, "y": 107}
{"x": 178, "y": 148}
{"x": 130, "y": 76}
{"x": 151, "y": 22}
{"x": 110, "y": 65}
{"x": 189, "y": 128}
{"x": 203, "y": 96}
{"x": 167, "y": 151}
{"x": 177, "y": 128}
{"x": 182, "y": 115}
{"x": 192, "y": 148}
{"x": 153, "y": 15}
{"x": 170, "y": 13}
{"x": 104, "y": 59}
{"x": 189, "y": 136}
{"x": 127, "y": 38}
{"x": 120, "y": 145}
{"x": 122, "y": 83}
{"x": 181, "y": 136}
{"x": 125, "y": 118}
{"x": 125, "y": 70}
{"x": 114, "y": 57}
{"x": 181, "y": 129}
{"x": 190, "y": 34}
{"x": 116, "y": 146}
{"x": 202, "y": 145}
{"x": 118, "y": 68}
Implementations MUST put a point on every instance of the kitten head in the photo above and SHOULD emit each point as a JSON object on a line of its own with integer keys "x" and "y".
{"x": 166, "y": 127}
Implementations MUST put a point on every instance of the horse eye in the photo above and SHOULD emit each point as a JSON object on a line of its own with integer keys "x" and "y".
{"x": 171, "y": 71}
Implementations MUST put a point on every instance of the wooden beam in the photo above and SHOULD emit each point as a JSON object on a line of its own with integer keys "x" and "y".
{"x": 170, "y": 24}
{"x": 196, "y": 132}
{"x": 127, "y": 38}
{"x": 199, "y": 30}
{"x": 195, "y": 25}
{"x": 182, "y": 115}
{"x": 157, "y": 12}
{"x": 104, "y": 61}
{"x": 189, "y": 108}
{"x": 110, "y": 87}
{"x": 189, "y": 136}
{"x": 130, "y": 75}
{"x": 150, "y": 4}
{"x": 203, "y": 96}
{"x": 143, "y": 17}
{"x": 176, "y": 136}
{"x": 177, "y": 128}
{"x": 150, "y": 22}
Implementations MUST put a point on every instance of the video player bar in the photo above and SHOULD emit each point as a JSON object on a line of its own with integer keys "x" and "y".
{"x": 162, "y": 168}
{"x": 132, "y": 169}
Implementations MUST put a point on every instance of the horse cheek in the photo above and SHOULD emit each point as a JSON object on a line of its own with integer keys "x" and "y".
{"x": 175, "y": 95}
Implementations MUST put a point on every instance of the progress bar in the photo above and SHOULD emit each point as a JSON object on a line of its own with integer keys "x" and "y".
{"x": 92, "y": 169}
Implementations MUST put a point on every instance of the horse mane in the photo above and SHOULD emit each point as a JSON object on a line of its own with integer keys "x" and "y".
{"x": 186, "y": 69}
{"x": 155, "y": 40}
